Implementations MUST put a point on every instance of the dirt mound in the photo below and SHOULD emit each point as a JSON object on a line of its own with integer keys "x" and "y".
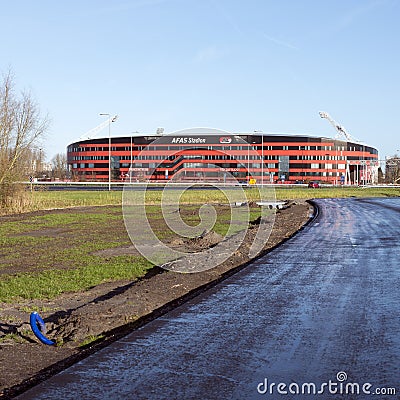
{"x": 206, "y": 240}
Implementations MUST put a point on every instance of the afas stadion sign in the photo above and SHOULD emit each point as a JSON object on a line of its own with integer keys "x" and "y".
{"x": 188, "y": 140}
{"x": 201, "y": 140}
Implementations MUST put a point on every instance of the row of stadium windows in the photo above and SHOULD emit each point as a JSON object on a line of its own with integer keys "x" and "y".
{"x": 210, "y": 157}
{"x": 207, "y": 166}
{"x": 254, "y": 146}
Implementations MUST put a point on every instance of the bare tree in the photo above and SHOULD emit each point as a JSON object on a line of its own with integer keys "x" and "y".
{"x": 21, "y": 126}
{"x": 393, "y": 169}
{"x": 59, "y": 166}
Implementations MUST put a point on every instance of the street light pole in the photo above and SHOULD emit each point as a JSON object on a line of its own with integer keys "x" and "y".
{"x": 248, "y": 163}
{"x": 302, "y": 163}
{"x": 337, "y": 168}
{"x": 248, "y": 158}
{"x": 262, "y": 159}
{"x": 262, "y": 156}
{"x": 109, "y": 146}
{"x": 364, "y": 168}
{"x": 131, "y": 165}
{"x": 326, "y": 165}
{"x": 109, "y": 150}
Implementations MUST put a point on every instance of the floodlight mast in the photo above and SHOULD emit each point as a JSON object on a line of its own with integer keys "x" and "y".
{"x": 341, "y": 131}
{"x": 94, "y": 131}
{"x": 109, "y": 120}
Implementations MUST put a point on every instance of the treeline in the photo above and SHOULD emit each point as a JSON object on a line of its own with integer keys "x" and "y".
{"x": 21, "y": 128}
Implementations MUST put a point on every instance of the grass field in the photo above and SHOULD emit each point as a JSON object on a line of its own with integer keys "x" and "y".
{"x": 48, "y": 199}
{"x": 45, "y": 254}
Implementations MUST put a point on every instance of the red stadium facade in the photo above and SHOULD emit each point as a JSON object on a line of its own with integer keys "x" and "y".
{"x": 211, "y": 155}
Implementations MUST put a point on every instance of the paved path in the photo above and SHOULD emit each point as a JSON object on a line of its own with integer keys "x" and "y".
{"x": 326, "y": 301}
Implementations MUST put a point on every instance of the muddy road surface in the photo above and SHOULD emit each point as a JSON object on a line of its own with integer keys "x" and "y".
{"x": 318, "y": 317}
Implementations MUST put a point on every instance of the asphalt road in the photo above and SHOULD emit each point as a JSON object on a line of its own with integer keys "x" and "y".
{"x": 326, "y": 301}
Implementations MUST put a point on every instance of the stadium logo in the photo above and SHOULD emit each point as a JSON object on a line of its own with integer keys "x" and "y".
{"x": 225, "y": 139}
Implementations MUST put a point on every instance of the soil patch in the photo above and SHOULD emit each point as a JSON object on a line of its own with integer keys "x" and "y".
{"x": 85, "y": 321}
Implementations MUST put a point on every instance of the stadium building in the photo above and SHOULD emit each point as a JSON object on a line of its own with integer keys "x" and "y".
{"x": 209, "y": 155}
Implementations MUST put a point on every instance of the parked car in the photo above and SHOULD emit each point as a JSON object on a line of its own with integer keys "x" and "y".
{"x": 314, "y": 185}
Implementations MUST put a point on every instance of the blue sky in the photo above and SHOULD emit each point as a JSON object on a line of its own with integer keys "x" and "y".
{"x": 235, "y": 65}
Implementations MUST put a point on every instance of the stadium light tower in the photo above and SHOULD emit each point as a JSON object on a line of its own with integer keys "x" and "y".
{"x": 113, "y": 119}
{"x": 262, "y": 155}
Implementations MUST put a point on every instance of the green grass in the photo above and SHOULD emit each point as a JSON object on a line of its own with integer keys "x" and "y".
{"x": 42, "y": 200}
{"x": 32, "y": 308}
{"x": 42, "y": 256}
{"x": 225, "y": 225}
{"x": 64, "y": 199}
{"x": 11, "y": 337}
{"x": 45, "y": 255}
{"x": 49, "y": 284}
{"x": 53, "y": 199}
{"x": 91, "y": 339}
